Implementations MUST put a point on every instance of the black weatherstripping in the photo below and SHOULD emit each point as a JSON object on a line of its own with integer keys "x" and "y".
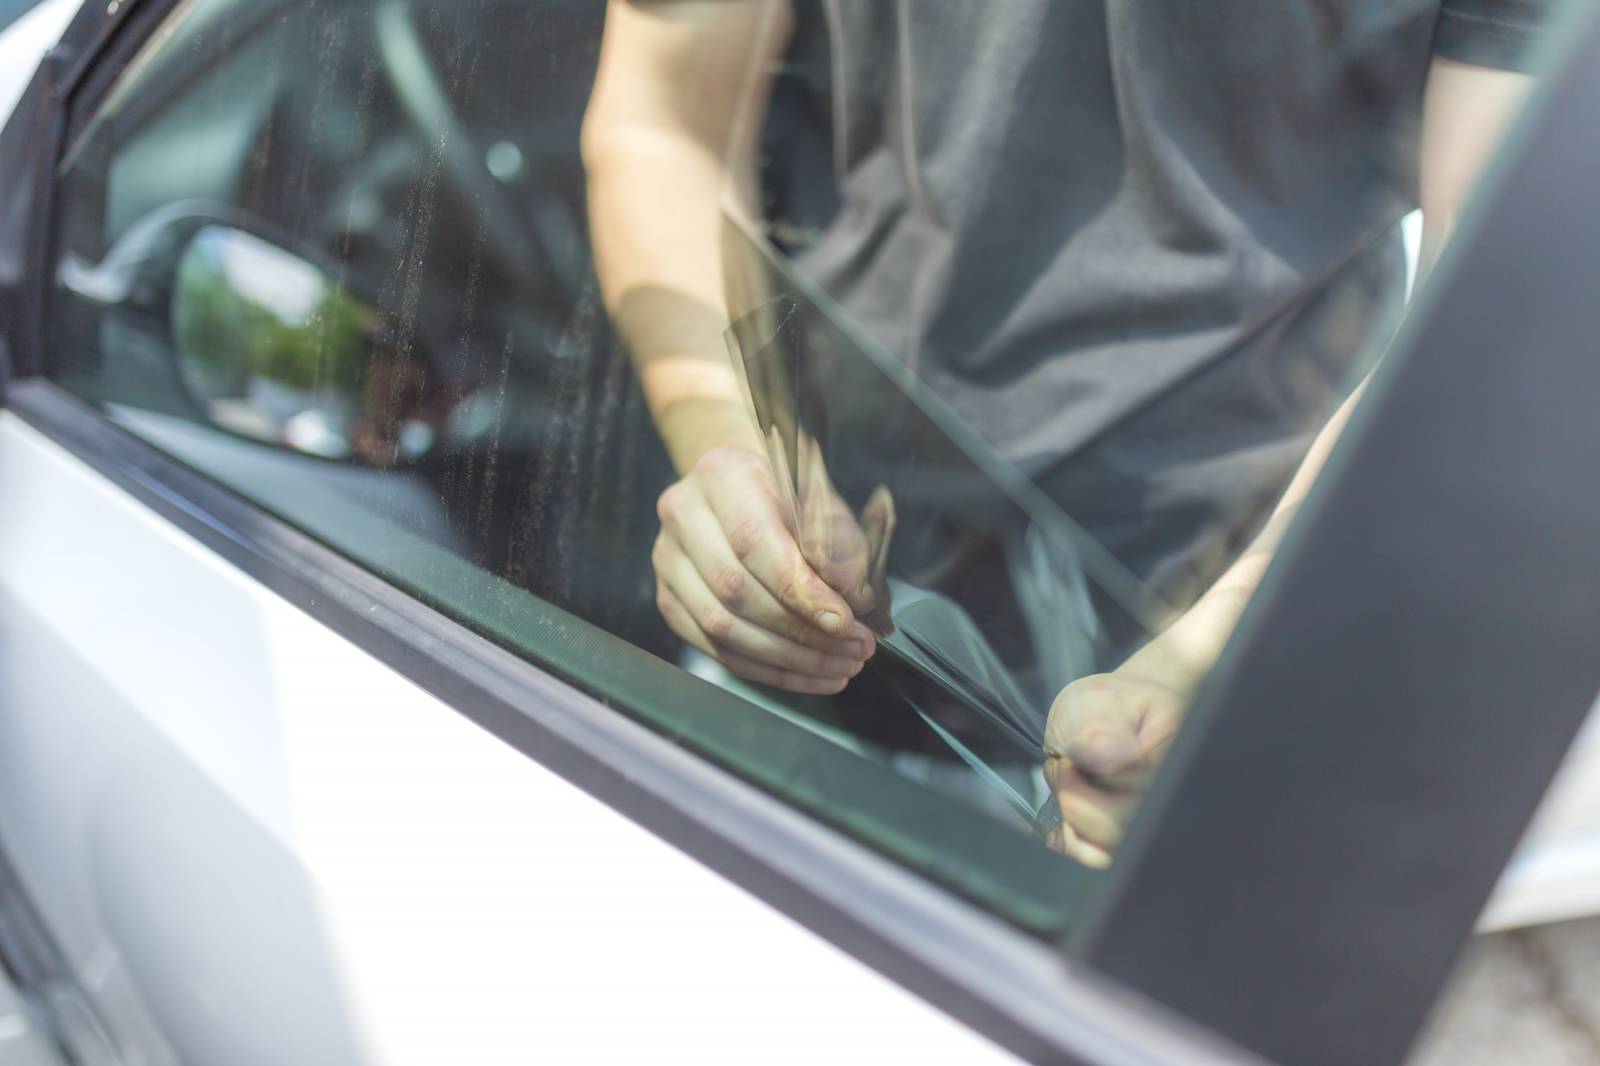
{"x": 27, "y": 152}
{"x": 1362, "y": 764}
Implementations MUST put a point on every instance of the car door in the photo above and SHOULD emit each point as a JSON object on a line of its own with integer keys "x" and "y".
{"x": 161, "y": 819}
{"x": 341, "y": 726}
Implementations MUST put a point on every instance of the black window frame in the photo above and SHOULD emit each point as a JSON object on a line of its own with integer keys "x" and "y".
{"x": 1281, "y": 944}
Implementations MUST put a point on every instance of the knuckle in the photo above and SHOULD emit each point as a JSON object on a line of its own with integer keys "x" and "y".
{"x": 663, "y": 554}
{"x": 845, "y": 575}
{"x": 795, "y": 629}
{"x": 717, "y": 623}
{"x": 795, "y": 660}
{"x": 791, "y": 590}
{"x": 669, "y": 504}
{"x": 745, "y": 537}
{"x": 814, "y": 546}
{"x": 728, "y": 585}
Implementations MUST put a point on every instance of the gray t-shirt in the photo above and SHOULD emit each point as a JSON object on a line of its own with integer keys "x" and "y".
{"x": 1138, "y": 245}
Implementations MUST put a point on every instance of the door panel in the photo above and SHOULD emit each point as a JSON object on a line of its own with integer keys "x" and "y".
{"x": 257, "y": 844}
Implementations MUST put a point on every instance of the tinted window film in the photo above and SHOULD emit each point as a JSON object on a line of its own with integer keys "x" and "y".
{"x": 896, "y": 405}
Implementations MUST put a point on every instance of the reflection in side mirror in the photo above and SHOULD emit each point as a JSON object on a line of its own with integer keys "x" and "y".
{"x": 274, "y": 350}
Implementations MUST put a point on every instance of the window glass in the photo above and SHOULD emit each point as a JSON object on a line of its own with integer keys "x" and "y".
{"x": 896, "y": 404}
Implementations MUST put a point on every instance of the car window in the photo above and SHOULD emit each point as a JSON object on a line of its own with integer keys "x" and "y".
{"x": 887, "y": 403}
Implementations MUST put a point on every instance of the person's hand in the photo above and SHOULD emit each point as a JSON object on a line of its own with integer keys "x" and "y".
{"x": 1106, "y": 735}
{"x": 733, "y": 580}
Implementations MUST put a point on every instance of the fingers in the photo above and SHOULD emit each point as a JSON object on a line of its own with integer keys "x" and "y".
{"x": 680, "y": 622}
{"x": 878, "y": 522}
{"x": 693, "y": 537}
{"x": 762, "y": 543}
{"x": 1111, "y": 727}
{"x": 683, "y": 624}
{"x": 728, "y": 632}
{"x": 763, "y": 674}
{"x": 1093, "y": 819}
{"x": 1091, "y": 721}
{"x": 734, "y": 581}
{"x": 1064, "y": 840}
{"x": 833, "y": 544}
{"x": 1104, "y": 739}
{"x": 830, "y": 538}
{"x": 1096, "y": 815}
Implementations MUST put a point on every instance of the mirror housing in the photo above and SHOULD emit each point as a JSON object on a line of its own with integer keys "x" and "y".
{"x": 267, "y": 343}
{"x": 269, "y": 346}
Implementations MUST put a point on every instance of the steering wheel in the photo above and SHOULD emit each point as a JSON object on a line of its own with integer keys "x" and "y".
{"x": 421, "y": 93}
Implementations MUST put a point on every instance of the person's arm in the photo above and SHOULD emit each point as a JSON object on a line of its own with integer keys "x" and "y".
{"x": 667, "y": 137}
{"x": 1107, "y": 733}
{"x": 669, "y": 140}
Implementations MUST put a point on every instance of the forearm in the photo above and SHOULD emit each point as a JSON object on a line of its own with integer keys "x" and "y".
{"x": 668, "y": 146}
{"x": 1465, "y": 113}
{"x": 655, "y": 247}
{"x": 1187, "y": 648}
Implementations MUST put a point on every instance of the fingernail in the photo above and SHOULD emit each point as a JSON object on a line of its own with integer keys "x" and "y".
{"x": 855, "y": 649}
{"x": 829, "y": 620}
{"x": 1053, "y": 839}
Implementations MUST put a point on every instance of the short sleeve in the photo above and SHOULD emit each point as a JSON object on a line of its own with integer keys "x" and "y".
{"x": 1492, "y": 33}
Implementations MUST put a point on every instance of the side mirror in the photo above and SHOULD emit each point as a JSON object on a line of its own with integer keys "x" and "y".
{"x": 273, "y": 349}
